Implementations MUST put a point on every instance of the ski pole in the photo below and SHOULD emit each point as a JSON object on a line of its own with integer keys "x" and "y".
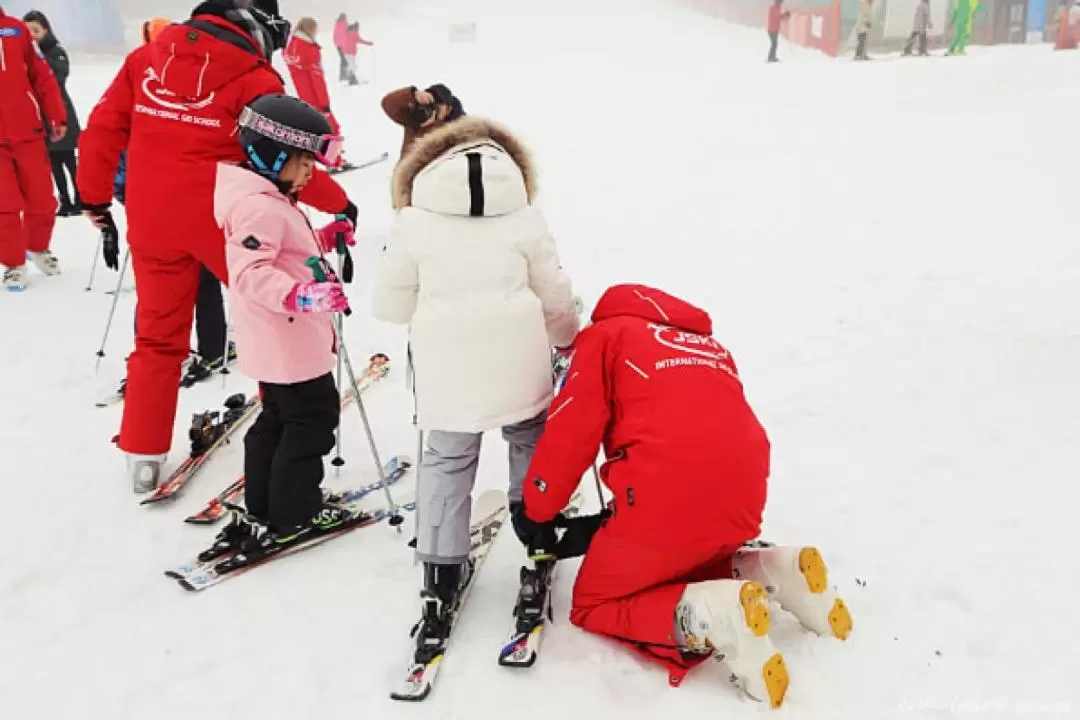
{"x": 599, "y": 487}
{"x": 93, "y": 265}
{"x": 225, "y": 356}
{"x": 338, "y": 461}
{"x": 112, "y": 310}
{"x": 317, "y": 268}
{"x": 395, "y": 514}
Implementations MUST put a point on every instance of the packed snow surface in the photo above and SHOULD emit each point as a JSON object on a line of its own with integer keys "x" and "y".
{"x": 889, "y": 249}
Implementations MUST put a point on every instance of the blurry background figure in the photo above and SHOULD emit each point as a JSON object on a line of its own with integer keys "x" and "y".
{"x": 1068, "y": 25}
{"x": 352, "y": 43}
{"x": 62, "y": 151}
{"x": 341, "y": 27}
{"x": 777, "y": 16}
{"x": 919, "y": 29}
{"x": 863, "y": 26}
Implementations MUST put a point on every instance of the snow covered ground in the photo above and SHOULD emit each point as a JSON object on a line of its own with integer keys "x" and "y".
{"x": 890, "y": 251}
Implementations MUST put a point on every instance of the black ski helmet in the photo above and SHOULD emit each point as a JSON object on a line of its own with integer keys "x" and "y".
{"x": 274, "y": 127}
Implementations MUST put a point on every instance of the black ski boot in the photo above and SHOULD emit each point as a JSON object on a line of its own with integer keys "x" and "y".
{"x": 238, "y": 531}
{"x": 200, "y": 369}
{"x": 264, "y": 542}
{"x": 208, "y": 427}
{"x": 440, "y": 597}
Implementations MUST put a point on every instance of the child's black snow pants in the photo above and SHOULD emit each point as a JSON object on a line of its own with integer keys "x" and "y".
{"x": 284, "y": 450}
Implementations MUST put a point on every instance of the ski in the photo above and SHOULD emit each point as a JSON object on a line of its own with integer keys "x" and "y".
{"x": 489, "y": 515}
{"x": 366, "y": 164}
{"x": 206, "y": 427}
{"x": 532, "y": 609}
{"x": 394, "y": 469}
{"x": 235, "y": 564}
{"x": 378, "y": 367}
{"x": 117, "y": 397}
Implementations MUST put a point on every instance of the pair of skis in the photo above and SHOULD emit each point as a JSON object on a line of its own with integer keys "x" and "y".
{"x": 532, "y": 610}
{"x": 378, "y": 368}
{"x": 219, "y": 563}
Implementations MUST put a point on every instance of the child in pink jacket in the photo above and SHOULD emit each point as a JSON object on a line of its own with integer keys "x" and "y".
{"x": 283, "y": 320}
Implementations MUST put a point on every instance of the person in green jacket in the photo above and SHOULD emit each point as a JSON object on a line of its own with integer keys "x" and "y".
{"x": 962, "y": 18}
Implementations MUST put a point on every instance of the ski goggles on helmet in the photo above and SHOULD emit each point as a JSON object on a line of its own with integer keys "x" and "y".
{"x": 326, "y": 148}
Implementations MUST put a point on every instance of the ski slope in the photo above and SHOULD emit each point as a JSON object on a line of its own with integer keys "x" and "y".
{"x": 889, "y": 249}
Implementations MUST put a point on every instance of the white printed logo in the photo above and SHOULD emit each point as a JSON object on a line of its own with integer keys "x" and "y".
{"x": 692, "y": 343}
{"x": 153, "y": 90}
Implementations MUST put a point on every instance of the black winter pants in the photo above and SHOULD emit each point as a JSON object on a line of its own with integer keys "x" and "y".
{"x": 284, "y": 449}
{"x": 64, "y": 160}
{"x": 343, "y": 73}
{"x": 774, "y": 38}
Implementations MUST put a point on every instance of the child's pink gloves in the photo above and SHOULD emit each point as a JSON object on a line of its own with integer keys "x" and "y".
{"x": 316, "y": 297}
{"x": 328, "y": 236}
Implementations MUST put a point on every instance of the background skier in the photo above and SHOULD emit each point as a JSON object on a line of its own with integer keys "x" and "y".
{"x": 27, "y": 203}
{"x": 687, "y": 462}
{"x": 473, "y": 271}
{"x": 304, "y": 59}
{"x": 919, "y": 29}
{"x": 351, "y": 45}
{"x": 863, "y": 25}
{"x": 62, "y": 151}
{"x": 421, "y": 111}
{"x": 775, "y": 23}
{"x": 174, "y": 106}
{"x": 341, "y": 28}
{"x": 962, "y": 19}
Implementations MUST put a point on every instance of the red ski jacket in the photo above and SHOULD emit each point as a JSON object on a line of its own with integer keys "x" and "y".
{"x": 304, "y": 58}
{"x": 687, "y": 459}
{"x": 174, "y": 106}
{"x": 27, "y": 85}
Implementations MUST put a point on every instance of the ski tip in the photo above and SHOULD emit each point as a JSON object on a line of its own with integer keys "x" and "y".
{"x": 411, "y": 696}
{"x": 184, "y": 583}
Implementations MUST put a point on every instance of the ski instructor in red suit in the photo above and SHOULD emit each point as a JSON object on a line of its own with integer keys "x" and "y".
{"x": 304, "y": 59}
{"x": 174, "y": 105}
{"x": 27, "y": 203}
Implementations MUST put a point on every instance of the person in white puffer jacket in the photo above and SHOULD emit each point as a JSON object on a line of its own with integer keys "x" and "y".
{"x": 473, "y": 271}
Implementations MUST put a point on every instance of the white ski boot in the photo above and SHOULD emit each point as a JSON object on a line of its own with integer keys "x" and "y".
{"x": 15, "y": 278}
{"x": 45, "y": 261}
{"x": 798, "y": 579}
{"x": 145, "y": 472}
{"x": 730, "y": 619}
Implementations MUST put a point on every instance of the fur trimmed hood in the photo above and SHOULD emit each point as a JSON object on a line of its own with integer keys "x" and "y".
{"x": 470, "y": 167}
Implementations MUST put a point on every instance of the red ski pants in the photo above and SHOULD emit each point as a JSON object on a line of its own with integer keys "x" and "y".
{"x": 167, "y": 283}
{"x": 27, "y": 202}
{"x": 628, "y": 590}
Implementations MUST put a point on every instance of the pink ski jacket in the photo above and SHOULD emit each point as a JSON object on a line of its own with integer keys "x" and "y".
{"x": 268, "y": 242}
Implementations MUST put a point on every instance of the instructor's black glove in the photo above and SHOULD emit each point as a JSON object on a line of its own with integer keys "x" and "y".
{"x": 579, "y": 534}
{"x": 539, "y": 538}
{"x": 351, "y": 213}
{"x": 102, "y": 219}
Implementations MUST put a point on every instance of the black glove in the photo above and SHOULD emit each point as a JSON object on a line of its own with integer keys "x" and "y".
{"x": 538, "y": 538}
{"x": 110, "y": 236}
{"x": 579, "y": 534}
{"x": 351, "y": 213}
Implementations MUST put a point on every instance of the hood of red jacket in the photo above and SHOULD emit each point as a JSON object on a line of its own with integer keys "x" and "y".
{"x": 191, "y": 64}
{"x": 653, "y": 305}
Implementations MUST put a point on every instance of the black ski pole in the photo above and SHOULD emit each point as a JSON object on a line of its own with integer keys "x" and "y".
{"x": 112, "y": 311}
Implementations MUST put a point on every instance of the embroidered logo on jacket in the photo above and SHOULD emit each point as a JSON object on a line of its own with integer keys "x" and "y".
{"x": 170, "y": 107}
{"x": 702, "y": 349}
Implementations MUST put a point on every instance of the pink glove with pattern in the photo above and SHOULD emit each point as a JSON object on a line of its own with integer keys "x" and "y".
{"x": 315, "y": 296}
{"x": 328, "y": 235}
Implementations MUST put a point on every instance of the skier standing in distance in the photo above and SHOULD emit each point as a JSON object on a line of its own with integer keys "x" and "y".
{"x": 282, "y": 315}
{"x": 919, "y": 29}
{"x": 27, "y": 202}
{"x": 174, "y": 106}
{"x": 341, "y": 28}
{"x": 421, "y": 111}
{"x": 62, "y": 151}
{"x": 473, "y": 271}
{"x": 351, "y": 45}
{"x": 687, "y": 462}
{"x": 777, "y": 16}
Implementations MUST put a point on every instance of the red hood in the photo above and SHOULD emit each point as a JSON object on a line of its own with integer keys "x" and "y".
{"x": 653, "y": 305}
{"x": 190, "y": 64}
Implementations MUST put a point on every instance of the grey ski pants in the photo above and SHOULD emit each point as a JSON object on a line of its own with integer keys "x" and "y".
{"x": 447, "y": 475}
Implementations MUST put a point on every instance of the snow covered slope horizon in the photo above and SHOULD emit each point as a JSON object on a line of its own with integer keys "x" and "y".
{"x": 888, "y": 249}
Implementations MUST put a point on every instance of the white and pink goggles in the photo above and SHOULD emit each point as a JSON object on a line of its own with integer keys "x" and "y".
{"x": 327, "y": 148}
